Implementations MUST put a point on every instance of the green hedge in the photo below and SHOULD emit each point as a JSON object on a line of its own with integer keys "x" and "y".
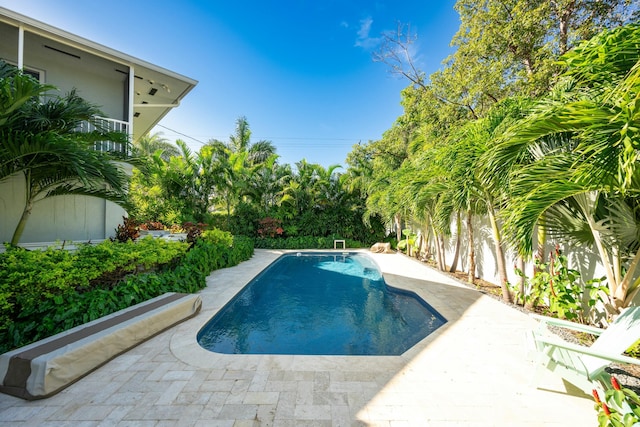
{"x": 303, "y": 242}
{"x": 55, "y": 312}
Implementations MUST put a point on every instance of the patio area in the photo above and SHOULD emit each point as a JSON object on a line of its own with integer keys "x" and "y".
{"x": 473, "y": 371}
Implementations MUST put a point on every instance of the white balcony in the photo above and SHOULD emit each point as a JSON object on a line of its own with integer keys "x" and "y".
{"x": 104, "y": 124}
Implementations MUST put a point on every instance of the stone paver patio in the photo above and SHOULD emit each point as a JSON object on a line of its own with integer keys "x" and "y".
{"x": 473, "y": 371}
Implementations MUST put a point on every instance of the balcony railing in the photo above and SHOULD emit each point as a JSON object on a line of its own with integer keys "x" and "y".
{"x": 104, "y": 124}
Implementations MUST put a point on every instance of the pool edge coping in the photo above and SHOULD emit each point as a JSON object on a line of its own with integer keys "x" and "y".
{"x": 184, "y": 346}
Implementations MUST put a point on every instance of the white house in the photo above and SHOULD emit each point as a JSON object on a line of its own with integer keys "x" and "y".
{"x": 134, "y": 96}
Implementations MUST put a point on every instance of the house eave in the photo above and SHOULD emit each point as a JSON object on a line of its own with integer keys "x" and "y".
{"x": 138, "y": 65}
{"x": 81, "y": 43}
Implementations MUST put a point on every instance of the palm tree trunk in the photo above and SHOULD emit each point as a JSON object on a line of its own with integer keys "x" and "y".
{"x": 500, "y": 258}
{"x": 419, "y": 245}
{"x": 542, "y": 241}
{"x": 617, "y": 266}
{"x": 442, "y": 252}
{"x": 437, "y": 245}
{"x": 522, "y": 281}
{"x": 472, "y": 254}
{"x": 15, "y": 239}
{"x": 427, "y": 241}
{"x": 26, "y": 212}
{"x": 456, "y": 255}
{"x": 622, "y": 292}
{"x": 604, "y": 257}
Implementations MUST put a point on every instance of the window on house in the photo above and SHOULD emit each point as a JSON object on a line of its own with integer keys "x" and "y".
{"x": 38, "y": 75}
{"x": 33, "y": 72}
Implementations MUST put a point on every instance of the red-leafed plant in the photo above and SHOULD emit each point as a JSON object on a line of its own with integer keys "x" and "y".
{"x": 151, "y": 225}
{"x": 270, "y": 227}
{"x": 128, "y": 230}
{"x": 193, "y": 230}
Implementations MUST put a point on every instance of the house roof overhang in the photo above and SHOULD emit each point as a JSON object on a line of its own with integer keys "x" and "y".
{"x": 156, "y": 90}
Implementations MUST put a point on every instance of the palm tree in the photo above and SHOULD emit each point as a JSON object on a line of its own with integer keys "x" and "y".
{"x": 240, "y": 142}
{"x": 241, "y": 139}
{"x": 228, "y": 174}
{"x": 423, "y": 196}
{"x": 260, "y": 152}
{"x": 266, "y": 182}
{"x": 326, "y": 186}
{"x": 459, "y": 160}
{"x": 297, "y": 193}
{"x": 150, "y": 143}
{"x": 172, "y": 190}
{"x": 585, "y": 177}
{"x": 41, "y": 141}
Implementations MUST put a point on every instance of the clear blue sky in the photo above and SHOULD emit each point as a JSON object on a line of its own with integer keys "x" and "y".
{"x": 299, "y": 70}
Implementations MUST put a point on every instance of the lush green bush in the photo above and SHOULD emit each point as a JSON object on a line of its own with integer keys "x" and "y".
{"x": 248, "y": 221}
{"x": 303, "y": 242}
{"x": 33, "y": 309}
{"x": 27, "y": 278}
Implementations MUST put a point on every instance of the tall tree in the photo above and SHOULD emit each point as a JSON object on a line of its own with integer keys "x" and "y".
{"x": 266, "y": 184}
{"x": 585, "y": 176}
{"x": 150, "y": 143}
{"x": 240, "y": 142}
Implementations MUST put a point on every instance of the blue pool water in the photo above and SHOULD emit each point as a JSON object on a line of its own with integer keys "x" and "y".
{"x": 320, "y": 304}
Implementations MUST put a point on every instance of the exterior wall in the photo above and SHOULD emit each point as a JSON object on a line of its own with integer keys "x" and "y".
{"x": 94, "y": 78}
{"x": 99, "y": 81}
{"x": 585, "y": 260}
{"x": 9, "y": 43}
{"x": 102, "y": 76}
{"x": 70, "y": 218}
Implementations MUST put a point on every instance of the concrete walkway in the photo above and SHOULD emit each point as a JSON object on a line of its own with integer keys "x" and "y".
{"x": 472, "y": 371}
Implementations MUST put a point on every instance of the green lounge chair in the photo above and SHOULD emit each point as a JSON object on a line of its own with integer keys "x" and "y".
{"x": 584, "y": 366}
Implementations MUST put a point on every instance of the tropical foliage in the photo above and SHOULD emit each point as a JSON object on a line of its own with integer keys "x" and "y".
{"x": 41, "y": 140}
{"x": 149, "y": 144}
{"x": 582, "y": 185}
{"x": 526, "y": 138}
{"x": 532, "y": 124}
{"x": 46, "y": 292}
{"x": 239, "y": 185}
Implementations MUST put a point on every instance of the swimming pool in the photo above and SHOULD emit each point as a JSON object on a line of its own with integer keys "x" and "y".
{"x": 320, "y": 304}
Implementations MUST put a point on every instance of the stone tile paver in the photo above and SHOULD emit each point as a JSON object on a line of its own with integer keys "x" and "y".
{"x": 472, "y": 371}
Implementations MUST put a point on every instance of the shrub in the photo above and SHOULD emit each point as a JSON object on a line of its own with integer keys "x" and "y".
{"x": 270, "y": 227}
{"x": 193, "y": 230}
{"x": 128, "y": 230}
{"x": 46, "y": 292}
{"x": 152, "y": 225}
{"x": 303, "y": 242}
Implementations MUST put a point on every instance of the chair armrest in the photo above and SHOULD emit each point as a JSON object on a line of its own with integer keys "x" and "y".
{"x": 576, "y": 348}
{"x": 567, "y": 324}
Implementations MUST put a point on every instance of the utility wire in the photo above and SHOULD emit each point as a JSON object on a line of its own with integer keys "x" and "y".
{"x": 180, "y": 133}
{"x": 279, "y": 138}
